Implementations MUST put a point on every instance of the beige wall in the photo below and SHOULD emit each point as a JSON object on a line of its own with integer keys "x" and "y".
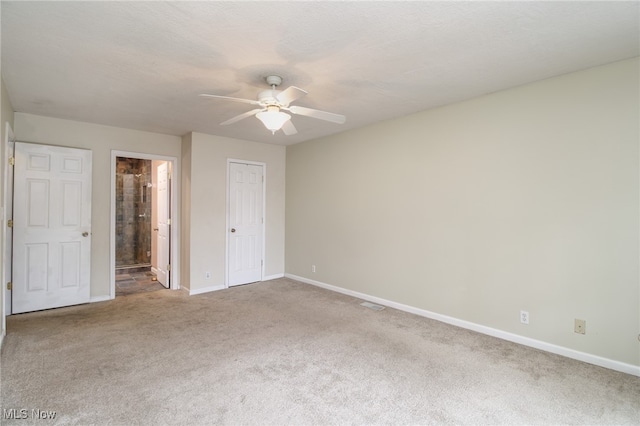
{"x": 526, "y": 199}
{"x": 101, "y": 140}
{"x": 204, "y": 222}
{"x": 6, "y": 116}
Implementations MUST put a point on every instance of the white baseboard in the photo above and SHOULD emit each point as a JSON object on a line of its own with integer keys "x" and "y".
{"x": 206, "y": 289}
{"x": 2, "y": 338}
{"x": 222, "y": 286}
{"x": 272, "y": 277}
{"x": 99, "y": 299}
{"x": 538, "y": 344}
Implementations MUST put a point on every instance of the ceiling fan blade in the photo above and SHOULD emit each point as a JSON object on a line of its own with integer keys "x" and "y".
{"x": 290, "y": 94}
{"x": 241, "y": 116}
{"x": 288, "y": 128}
{"x": 228, "y": 98}
{"x": 322, "y": 115}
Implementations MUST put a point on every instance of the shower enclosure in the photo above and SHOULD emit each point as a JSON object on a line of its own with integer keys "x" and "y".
{"x": 133, "y": 213}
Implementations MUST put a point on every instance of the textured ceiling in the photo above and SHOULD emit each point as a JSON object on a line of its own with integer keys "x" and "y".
{"x": 141, "y": 65}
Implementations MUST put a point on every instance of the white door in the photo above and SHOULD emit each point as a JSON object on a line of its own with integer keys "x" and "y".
{"x": 245, "y": 223}
{"x": 162, "y": 236}
{"x": 51, "y": 227}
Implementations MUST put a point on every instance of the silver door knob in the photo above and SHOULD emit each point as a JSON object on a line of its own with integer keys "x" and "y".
{"x": 233, "y": 229}
{"x": 85, "y": 234}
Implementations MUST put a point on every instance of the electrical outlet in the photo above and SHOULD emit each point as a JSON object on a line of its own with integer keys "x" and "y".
{"x": 580, "y": 326}
{"x": 524, "y": 317}
{"x": 207, "y": 275}
{"x": 313, "y": 268}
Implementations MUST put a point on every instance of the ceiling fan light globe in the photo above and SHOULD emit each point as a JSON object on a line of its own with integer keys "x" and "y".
{"x": 273, "y": 120}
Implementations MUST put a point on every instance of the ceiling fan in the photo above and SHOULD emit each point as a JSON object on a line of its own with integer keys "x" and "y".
{"x": 271, "y": 104}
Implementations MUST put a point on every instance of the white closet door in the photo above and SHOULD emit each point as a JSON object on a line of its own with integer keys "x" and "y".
{"x": 52, "y": 227}
{"x": 245, "y": 223}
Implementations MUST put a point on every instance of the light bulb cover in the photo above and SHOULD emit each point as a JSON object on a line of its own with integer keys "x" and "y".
{"x": 273, "y": 119}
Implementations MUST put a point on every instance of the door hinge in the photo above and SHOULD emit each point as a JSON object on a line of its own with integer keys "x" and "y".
{"x": 169, "y": 221}
{"x": 12, "y": 161}
{"x": 168, "y": 267}
{"x": 9, "y": 286}
{"x": 10, "y": 223}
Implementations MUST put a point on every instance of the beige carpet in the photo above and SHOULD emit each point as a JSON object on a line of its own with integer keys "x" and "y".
{"x": 282, "y": 352}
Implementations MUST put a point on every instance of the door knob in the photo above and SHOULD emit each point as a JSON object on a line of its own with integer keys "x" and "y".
{"x": 233, "y": 229}
{"x": 85, "y": 234}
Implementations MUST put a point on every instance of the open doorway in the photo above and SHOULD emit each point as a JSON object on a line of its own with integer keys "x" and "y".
{"x": 135, "y": 217}
{"x": 141, "y": 223}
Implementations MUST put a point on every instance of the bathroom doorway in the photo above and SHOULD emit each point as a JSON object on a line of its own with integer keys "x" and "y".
{"x": 134, "y": 226}
{"x": 141, "y": 221}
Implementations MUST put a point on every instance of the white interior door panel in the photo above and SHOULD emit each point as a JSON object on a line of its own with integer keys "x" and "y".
{"x": 245, "y": 223}
{"x": 51, "y": 227}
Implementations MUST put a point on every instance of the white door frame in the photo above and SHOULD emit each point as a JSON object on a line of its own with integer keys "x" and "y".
{"x": 174, "y": 273}
{"x": 264, "y": 215}
{"x": 7, "y": 246}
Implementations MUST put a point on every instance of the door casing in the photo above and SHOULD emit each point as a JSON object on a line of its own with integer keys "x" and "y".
{"x": 7, "y": 213}
{"x": 174, "y": 236}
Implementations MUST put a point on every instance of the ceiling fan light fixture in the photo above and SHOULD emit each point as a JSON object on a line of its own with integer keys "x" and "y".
{"x": 273, "y": 119}
{"x": 272, "y": 102}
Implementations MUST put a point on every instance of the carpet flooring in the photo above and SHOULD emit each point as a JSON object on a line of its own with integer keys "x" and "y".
{"x": 286, "y": 353}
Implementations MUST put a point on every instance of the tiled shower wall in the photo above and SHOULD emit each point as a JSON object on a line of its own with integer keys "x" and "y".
{"x": 133, "y": 212}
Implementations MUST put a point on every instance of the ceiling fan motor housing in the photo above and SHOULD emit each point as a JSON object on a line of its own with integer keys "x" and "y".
{"x": 268, "y": 97}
